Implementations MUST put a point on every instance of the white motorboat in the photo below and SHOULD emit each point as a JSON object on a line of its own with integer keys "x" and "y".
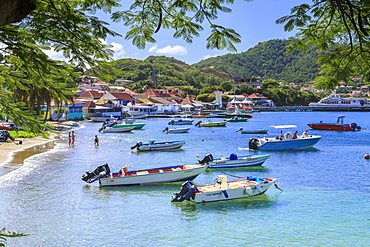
{"x": 164, "y": 174}
{"x": 235, "y": 161}
{"x": 113, "y": 130}
{"x": 284, "y": 141}
{"x": 223, "y": 190}
{"x": 176, "y": 130}
{"x": 153, "y": 145}
{"x": 181, "y": 121}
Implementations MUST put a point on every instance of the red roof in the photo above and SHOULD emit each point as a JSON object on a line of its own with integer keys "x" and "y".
{"x": 157, "y": 93}
{"x": 256, "y": 96}
{"x": 123, "y": 96}
{"x": 91, "y": 94}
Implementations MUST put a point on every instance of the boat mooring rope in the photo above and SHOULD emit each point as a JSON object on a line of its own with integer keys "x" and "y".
{"x": 277, "y": 187}
{"x": 228, "y": 173}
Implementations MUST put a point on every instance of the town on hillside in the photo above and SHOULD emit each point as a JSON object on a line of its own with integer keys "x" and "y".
{"x": 96, "y": 99}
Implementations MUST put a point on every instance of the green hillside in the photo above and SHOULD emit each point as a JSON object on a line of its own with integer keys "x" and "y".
{"x": 170, "y": 71}
{"x": 268, "y": 60}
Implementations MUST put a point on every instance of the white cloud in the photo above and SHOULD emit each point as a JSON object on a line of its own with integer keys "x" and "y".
{"x": 153, "y": 48}
{"x": 119, "y": 52}
{"x": 117, "y": 48}
{"x": 169, "y": 50}
{"x": 52, "y": 54}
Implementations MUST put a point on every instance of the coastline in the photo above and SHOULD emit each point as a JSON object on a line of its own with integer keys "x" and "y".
{"x": 10, "y": 149}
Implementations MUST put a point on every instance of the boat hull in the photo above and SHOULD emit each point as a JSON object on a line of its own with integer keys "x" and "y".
{"x": 338, "y": 127}
{"x": 181, "y": 122}
{"x": 118, "y": 130}
{"x": 238, "y": 120}
{"x": 215, "y": 124}
{"x": 257, "y": 131}
{"x": 242, "y": 161}
{"x": 230, "y": 193}
{"x": 179, "y": 130}
{"x": 159, "y": 146}
{"x": 301, "y": 143}
{"x": 134, "y": 125}
{"x": 152, "y": 178}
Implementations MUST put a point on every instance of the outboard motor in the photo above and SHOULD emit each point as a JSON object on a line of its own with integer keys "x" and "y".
{"x": 187, "y": 191}
{"x": 354, "y": 126}
{"x": 136, "y": 145}
{"x": 206, "y": 159}
{"x": 197, "y": 124}
{"x": 253, "y": 143}
{"x": 99, "y": 172}
{"x": 171, "y": 122}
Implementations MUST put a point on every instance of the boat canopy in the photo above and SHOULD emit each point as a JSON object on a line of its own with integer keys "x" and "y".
{"x": 283, "y": 126}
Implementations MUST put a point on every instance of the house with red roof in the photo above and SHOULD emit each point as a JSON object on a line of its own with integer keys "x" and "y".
{"x": 90, "y": 95}
{"x": 118, "y": 98}
{"x": 157, "y": 93}
{"x": 258, "y": 99}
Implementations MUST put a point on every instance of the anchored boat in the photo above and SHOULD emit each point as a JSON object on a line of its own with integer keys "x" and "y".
{"x": 235, "y": 161}
{"x": 286, "y": 141}
{"x": 339, "y": 125}
{"x": 125, "y": 177}
{"x": 223, "y": 190}
{"x": 153, "y": 145}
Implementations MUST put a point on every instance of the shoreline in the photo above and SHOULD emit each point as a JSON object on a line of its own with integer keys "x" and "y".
{"x": 12, "y": 149}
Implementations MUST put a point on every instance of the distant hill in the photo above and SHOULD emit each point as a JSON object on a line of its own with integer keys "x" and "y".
{"x": 268, "y": 60}
{"x": 170, "y": 72}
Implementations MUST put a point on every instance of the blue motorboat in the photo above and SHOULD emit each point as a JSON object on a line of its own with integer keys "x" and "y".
{"x": 286, "y": 140}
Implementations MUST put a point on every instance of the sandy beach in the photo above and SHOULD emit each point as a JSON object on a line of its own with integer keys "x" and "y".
{"x": 9, "y": 148}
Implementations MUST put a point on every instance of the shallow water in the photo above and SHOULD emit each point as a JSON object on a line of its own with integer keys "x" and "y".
{"x": 325, "y": 201}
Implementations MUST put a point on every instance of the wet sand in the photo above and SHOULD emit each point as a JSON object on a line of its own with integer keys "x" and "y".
{"x": 13, "y": 154}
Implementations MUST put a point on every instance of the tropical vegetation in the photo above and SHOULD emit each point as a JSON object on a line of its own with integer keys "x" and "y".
{"x": 269, "y": 60}
{"x": 29, "y": 78}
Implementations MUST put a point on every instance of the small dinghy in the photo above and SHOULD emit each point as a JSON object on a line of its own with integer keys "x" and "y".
{"x": 222, "y": 190}
{"x": 176, "y": 130}
{"x": 153, "y": 145}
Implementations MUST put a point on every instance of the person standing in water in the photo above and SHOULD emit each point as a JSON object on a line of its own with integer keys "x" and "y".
{"x": 73, "y": 138}
{"x": 69, "y": 138}
{"x": 96, "y": 140}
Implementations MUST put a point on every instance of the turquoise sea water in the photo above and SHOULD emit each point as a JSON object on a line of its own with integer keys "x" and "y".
{"x": 325, "y": 201}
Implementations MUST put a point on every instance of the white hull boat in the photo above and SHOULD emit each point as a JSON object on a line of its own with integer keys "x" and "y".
{"x": 164, "y": 174}
{"x": 153, "y": 146}
{"x": 256, "y": 131}
{"x": 335, "y": 101}
{"x": 113, "y": 130}
{"x": 181, "y": 122}
{"x": 176, "y": 130}
{"x": 286, "y": 141}
{"x": 223, "y": 190}
{"x": 235, "y": 161}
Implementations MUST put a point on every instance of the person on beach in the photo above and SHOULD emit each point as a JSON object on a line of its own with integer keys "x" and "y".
{"x": 69, "y": 138}
{"x": 96, "y": 141}
{"x": 73, "y": 138}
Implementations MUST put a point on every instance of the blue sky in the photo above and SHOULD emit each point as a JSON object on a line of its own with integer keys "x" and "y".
{"x": 254, "y": 21}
